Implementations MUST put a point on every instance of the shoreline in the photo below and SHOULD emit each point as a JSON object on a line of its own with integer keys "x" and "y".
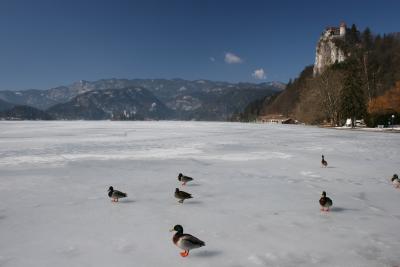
{"x": 366, "y": 129}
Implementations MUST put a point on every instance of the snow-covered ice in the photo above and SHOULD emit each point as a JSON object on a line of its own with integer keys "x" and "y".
{"x": 256, "y": 193}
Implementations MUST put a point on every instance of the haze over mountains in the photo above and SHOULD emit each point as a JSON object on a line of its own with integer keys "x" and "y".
{"x": 139, "y": 99}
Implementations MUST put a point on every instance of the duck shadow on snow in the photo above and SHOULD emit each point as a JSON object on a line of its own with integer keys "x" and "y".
{"x": 207, "y": 253}
{"x": 127, "y": 201}
{"x": 192, "y": 184}
{"x": 341, "y": 209}
{"x": 193, "y": 202}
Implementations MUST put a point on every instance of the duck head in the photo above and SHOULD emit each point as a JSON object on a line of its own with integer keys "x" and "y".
{"x": 177, "y": 228}
{"x": 180, "y": 176}
{"x": 323, "y": 194}
{"x": 176, "y": 190}
{"x": 322, "y": 156}
{"x": 110, "y": 189}
{"x": 395, "y": 177}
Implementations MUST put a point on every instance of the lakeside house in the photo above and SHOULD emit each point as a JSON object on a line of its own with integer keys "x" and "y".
{"x": 275, "y": 118}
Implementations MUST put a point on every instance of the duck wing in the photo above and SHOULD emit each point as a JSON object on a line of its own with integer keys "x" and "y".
{"x": 187, "y": 178}
{"x": 118, "y": 194}
{"x": 184, "y": 194}
{"x": 188, "y": 242}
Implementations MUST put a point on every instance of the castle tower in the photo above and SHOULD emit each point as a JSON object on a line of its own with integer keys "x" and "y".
{"x": 342, "y": 29}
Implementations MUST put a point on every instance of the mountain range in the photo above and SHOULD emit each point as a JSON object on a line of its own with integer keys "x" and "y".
{"x": 140, "y": 99}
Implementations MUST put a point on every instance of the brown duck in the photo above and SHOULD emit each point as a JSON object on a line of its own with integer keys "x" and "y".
{"x": 115, "y": 194}
{"x": 184, "y": 179}
{"x": 182, "y": 195}
{"x": 324, "y": 162}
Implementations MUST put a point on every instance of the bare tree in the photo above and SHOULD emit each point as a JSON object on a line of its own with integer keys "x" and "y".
{"x": 308, "y": 108}
{"x": 329, "y": 86}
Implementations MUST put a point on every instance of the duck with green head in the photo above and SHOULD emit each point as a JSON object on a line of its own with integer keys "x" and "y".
{"x": 185, "y": 241}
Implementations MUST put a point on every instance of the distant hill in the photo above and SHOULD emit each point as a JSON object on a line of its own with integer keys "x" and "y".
{"x": 24, "y": 113}
{"x": 35, "y": 98}
{"x": 5, "y": 105}
{"x": 131, "y": 103}
{"x": 184, "y": 100}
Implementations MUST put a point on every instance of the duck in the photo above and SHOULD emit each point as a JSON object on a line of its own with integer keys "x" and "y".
{"x": 182, "y": 195}
{"x": 325, "y": 202}
{"x": 324, "y": 162}
{"x": 186, "y": 242}
{"x": 184, "y": 179}
{"x": 396, "y": 181}
{"x": 115, "y": 194}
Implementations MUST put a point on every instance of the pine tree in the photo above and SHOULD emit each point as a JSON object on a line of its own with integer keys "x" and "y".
{"x": 367, "y": 39}
{"x": 352, "y": 99}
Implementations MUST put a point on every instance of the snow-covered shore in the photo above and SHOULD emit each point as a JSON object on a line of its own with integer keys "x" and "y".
{"x": 255, "y": 202}
{"x": 367, "y": 129}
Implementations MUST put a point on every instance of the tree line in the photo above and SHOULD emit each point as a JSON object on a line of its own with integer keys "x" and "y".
{"x": 349, "y": 89}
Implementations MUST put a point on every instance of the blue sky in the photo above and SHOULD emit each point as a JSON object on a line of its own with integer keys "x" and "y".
{"x": 46, "y": 43}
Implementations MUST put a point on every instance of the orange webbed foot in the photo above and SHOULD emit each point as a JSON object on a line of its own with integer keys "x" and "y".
{"x": 184, "y": 253}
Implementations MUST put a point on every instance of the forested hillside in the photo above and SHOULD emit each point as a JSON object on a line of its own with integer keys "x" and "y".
{"x": 354, "y": 88}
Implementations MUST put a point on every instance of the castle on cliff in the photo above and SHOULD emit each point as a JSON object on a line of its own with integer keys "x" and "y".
{"x": 327, "y": 52}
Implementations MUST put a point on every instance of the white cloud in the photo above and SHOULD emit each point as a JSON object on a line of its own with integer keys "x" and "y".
{"x": 212, "y": 59}
{"x": 259, "y": 74}
{"x": 231, "y": 58}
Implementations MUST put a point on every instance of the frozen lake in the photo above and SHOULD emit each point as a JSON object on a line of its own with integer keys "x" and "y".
{"x": 256, "y": 193}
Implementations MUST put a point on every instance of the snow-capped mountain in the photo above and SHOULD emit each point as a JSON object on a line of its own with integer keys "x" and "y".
{"x": 187, "y": 100}
{"x": 127, "y": 103}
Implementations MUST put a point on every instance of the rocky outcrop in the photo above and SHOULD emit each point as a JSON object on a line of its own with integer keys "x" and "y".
{"x": 327, "y": 51}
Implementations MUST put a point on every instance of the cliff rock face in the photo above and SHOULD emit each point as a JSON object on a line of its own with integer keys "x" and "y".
{"x": 327, "y": 51}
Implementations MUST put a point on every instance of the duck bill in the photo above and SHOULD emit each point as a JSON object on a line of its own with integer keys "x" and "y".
{"x": 171, "y": 230}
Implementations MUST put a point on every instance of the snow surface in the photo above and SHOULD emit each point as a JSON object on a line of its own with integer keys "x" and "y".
{"x": 256, "y": 193}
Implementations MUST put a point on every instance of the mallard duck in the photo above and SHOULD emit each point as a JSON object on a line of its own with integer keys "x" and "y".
{"x": 182, "y": 195}
{"x": 184, "y": 179}
{"x": 396, "y": 181}
{"x": 324, "y": 162}
{"x": 115, "y": 194}
{"x": 185, "y": 241}
{"x": 325, "y": 202}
